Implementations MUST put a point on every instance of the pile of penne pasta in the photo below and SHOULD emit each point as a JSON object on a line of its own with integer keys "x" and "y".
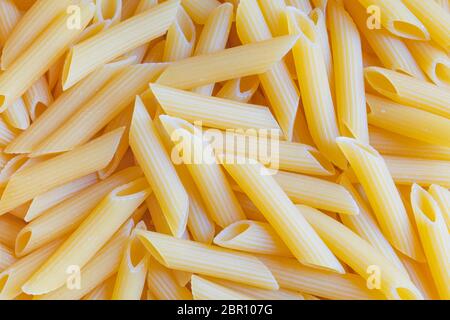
{"x": 100, "y": 200}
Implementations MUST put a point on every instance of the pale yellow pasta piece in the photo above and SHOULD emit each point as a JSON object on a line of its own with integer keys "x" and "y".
{"x": 253, "y": 237}
{"x": 208, "y": 176}
{"x": 180, "y": 38}
{"x": 303, "y": 5}
{"x": 241, "y": 89}
{"x": 101, "y": 109}
{"x": 348, "y": 73}
{"x": 259, "y": 294}
{"x": 214, "y": 37}
{"x": 207, "y": 260}
{"x": 360, "y": 256}
{"x": 396, "y": 18}
{"x": 373, "y": 174}
{"x": 433, "y": 61}
{"x": 6, "y": 257}
{"x": 278, "y": 86}
{"x": 103, "y": 291}
{"x": 274, "y": 12}
{"x": 37, "y": 58}
{"x": 19, "y": 272}
{"x": 108, "y": 10}
{"x": 200, "y": 10}
{"x": 228, "y": 64}
{"x": 420, "y": 275}
{"x": 292, "y": 275}
{"x": 391, "y": 50}
{"x": 132, "y": 271}
{"x": 149, "y": 152}
{"x": 38, "y": 98}
{"x": 320, "y": 21}
{"x": 204, "y": 289}
{"x": 424, "y": 172}
{"x": 162, "y": 284}
{"x": 92, "y": 53}
{"x": 282, "y": 215}
{"x": 42, "y": 177}
{"x": 442, "y": 197}
{"x": 436, "y": 20}
{"x": 393, "y": 144}
{"x": 104, "y": 265}
{"x": 68, "y": 215}
{"x": 82, "y": 245}
{"x": 435, "y": 238}
{"x": 407, "y": 121}
{"x": 9, "y": 228}
{"x": 312, "y": 75}
{"x": 7, "y": 134}
{"x": 30, "y": 26}
{"x": 410, "y": 91}
{"x": 47, "y": 200}
{"x": 63, "y": 108}
{"x": 365, "y": 225}
{"x": 317, "y": 193}
{"x": 17, "y": 115}
{"x": 213, "y": 112}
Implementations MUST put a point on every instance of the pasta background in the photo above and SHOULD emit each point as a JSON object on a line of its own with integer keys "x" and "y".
{"x": 224, "y": 149}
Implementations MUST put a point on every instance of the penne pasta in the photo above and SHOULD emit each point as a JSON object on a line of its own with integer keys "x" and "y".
{"x": 217, "y": 195}
{"x": 434, "y": 236}
{"x": 106, "y": 46}
{"x": 420, "y": 275}
{"x": 179, "y": 254}
{"x": 149, "y": 152}
{"x": 199, "y": 11}
{"x": 392, "y": 51}
{"x": 82, "y": 245}
{"x": 433, "y": 61}
{"x": 38, "y": 98}
{"x": 317, "y": 16}
{"x": 213, "y": 112}
{"x": 274, "y": 13}
{"x": 214, "y": 37}
{"x": 317, "y": 193}
{"x": 162, "y": 284}
{"x": 18, "y": 273}
{"x": 294, "y": 276}
{"x": 47, "y": 200}
{"x": 373, "y": 174}
{"x": 228, "y": 64}
{"x": 436, "y": 20}
{"x": 407, "y": 90}
{"x": 442, "y": 198}
{"x": 132, "y": 271}
{"x": 253, "y": 237}
{"x": 303, "y": 5}
{"x": 282, "y": 215}
{"x": 6, "y": 257}
{"x": 68, "y": 215}
{"x": 108, "y": 10}
{"x": 35, "y": 61}
{"x": 203, "y": 289}
{"x": 7, "y": 134}
{"x": 17, "y": 115}
{"x": 311, "y": 72}
{"x": 63, "y": 108}
{"x": 348, "y": 73}
{"x": 396, "y": 145}
{"x": 42, "y": 177}
{"x": 365, "y": 225}
{"x": 104, "y": 265}
{"x": 101, "y": 109}
{"x": 424, "y": 172}
{"x": 180, "y": 38}
{"x": 400, "y": 119}
{"x": 240, "y": 90}
{"x": 278, "y": 86}
{"x": 397, "y": 19}
{"x": 9, "y": 228}
{"x": 359, "y": 255}
{"x": 103, "y": 291}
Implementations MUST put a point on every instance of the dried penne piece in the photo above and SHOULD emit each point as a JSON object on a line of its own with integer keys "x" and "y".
{"x": 82, "y": 245}
{"x": 180, "y": 38}
{"x": 108, "y": 10}
{"x": 49, "y": 174}
{"x": 410, "y": 91}
{"x": 434, "y": 236}
{"x": 203, "y": 289}
{"x": 200, "y": 10}
{"x": 442, "y": 198}
{"x": 228, "y": 64}
{"x": 6, "y": 257}
{"x": 184, "y": 255}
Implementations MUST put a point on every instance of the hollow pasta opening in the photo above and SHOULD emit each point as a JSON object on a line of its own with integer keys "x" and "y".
{"x": 406, "y": 294}
{"x": 443, "y": 73}
{"x": 409, "y": 30}
{"x": 379, "y": 81}
{"x": 229, "y": 234}
{"x": 22, "y": 241}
